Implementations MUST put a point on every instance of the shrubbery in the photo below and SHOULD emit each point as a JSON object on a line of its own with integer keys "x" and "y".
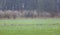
{"x": 18, "y": 14}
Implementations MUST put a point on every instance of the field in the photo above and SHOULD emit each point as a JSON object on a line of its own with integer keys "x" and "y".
{"x": 38, "y": 26}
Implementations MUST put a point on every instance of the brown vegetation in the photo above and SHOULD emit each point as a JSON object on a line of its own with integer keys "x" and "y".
{"x": 17, "y": 14}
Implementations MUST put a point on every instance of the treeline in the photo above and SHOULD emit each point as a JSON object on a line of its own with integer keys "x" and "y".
{"x": 46, "y": 5}
{"x": 29, "y": 8}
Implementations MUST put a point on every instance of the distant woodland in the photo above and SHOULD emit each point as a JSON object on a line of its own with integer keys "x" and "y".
{"x": 31, "y": 8}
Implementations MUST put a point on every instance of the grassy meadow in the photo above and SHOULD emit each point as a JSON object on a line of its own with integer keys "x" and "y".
{"x": 36, "y": 26}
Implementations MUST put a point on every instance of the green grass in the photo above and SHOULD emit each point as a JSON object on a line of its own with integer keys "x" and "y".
{"x": 48, "y": 26}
